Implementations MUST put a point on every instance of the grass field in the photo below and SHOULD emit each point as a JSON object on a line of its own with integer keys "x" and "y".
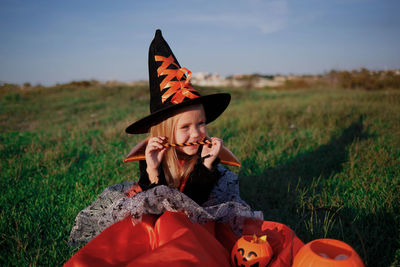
{"x": 325, "y": 162}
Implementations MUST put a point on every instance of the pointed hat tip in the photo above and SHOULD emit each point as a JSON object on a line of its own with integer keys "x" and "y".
{"x": 158, "y": 33}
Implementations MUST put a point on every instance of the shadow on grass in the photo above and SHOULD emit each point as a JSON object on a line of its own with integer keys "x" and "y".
{"x": 286, "y": 192}
{"x": 273, "y": 186}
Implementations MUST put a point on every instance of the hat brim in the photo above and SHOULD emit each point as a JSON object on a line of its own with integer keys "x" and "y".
{"x": 214, "y": 105}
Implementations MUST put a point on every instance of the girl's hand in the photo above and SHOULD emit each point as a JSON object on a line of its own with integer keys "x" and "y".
{"x": 154, "y": 154}
{"x": 211, "y": 152}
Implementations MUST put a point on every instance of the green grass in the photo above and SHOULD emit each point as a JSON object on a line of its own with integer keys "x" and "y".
{"x": 325, "y": 162}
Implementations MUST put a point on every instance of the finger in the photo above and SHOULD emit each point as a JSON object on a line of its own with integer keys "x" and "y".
{"x": 159, "y": 146}
{"x": 214, "y": 141}
{"x": 211, "y": 142}
{"x": 207, "y": 156}
{"x": 155, "y": 138}
{"x": 162, "y": 152}
{"x": 206, "y": 150}
{"x": 218, "y": 143}
{"x": 158, "y": 140}
{"x": 155, "y": 144}
{"x": 154, "y": 147}
{"x": 158, "y": 143}
{"x": 216, "y": 146}
{"x": 162, "y": 138}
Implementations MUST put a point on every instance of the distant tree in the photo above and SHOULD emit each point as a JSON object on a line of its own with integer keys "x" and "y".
{"x": 345, "y": 79}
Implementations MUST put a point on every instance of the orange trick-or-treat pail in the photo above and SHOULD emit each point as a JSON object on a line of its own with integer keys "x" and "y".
{"x": 327, "y": 253}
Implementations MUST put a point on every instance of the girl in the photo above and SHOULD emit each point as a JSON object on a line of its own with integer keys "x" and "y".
{"x": 192, "y": 169}
{"x": 185, "y": 209}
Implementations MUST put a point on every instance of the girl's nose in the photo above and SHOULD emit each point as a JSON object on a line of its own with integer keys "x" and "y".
{"x": 195, "y": 132}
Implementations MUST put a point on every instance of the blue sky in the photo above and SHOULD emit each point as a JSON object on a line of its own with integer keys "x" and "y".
{"x": 58, "y": 41}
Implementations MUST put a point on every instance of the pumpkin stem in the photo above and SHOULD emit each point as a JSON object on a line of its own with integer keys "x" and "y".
{"x": 259, "y": 240}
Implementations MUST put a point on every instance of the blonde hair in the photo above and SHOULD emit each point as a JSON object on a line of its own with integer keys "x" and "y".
{"x": 174, "y": 171}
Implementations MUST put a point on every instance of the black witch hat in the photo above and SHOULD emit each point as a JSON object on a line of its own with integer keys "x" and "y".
{"x": 170, "y": 89}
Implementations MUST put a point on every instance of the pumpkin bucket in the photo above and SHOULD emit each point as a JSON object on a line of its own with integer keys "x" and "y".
{"x": 250, "y": 250}
{"x": 327, "y": 253}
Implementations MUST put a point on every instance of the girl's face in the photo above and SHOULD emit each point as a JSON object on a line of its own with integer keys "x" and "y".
{"x": 190, "y": 127}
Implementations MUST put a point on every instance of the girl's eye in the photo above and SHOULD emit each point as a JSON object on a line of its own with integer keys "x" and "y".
{"x": 185, "y": 127}
{"x": 202, "y": 123}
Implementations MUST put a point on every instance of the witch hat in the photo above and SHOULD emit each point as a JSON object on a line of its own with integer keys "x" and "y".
{"x": 171, "y": 90}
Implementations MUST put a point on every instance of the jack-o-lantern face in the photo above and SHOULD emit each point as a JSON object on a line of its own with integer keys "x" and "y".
{"x": 251, "y": 251}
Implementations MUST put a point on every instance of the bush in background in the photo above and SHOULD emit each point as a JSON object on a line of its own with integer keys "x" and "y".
{"x": 365, "y": 79}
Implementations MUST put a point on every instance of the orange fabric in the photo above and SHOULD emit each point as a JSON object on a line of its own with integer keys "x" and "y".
{"x": 133, "y": 190}
{"x": 117, "y": 245}
{"x": 179, "y": 88}
{"x": 173, "y": 240}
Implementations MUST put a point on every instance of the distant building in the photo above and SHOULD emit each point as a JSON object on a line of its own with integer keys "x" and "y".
{"x": 208, "y": 79}
{"x": 237, "y": 80}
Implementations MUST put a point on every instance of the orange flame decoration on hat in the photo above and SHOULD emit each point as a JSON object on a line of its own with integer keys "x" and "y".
{"x": 180, "y": 88}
